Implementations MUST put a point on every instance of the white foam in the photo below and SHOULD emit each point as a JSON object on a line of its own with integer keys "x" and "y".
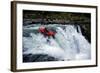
{"x": 67, "y": 45}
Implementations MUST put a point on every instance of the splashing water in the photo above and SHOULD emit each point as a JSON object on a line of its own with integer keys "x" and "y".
{"x": 67, "y": 45}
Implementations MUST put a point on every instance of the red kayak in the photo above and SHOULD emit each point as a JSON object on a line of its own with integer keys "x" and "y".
{"x": 46, "y": 32}
{"x": 50, "y": 33}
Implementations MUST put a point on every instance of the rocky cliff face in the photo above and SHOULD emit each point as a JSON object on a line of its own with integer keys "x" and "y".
{"x": 86, "y": 31}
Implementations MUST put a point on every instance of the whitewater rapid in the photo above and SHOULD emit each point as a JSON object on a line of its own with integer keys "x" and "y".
{"x": 69, "y": 44}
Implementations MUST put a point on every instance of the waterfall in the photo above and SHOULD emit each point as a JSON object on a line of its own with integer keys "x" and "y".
{"x": 69, "y": 44}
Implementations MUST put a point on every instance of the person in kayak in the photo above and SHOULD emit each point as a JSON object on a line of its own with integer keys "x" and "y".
{"x": 47, "y": 33}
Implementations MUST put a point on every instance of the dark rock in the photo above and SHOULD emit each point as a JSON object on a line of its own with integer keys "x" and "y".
{"x": 86, "y": 31}
{"x": 27, "y": 58}
{"x": 38, "y": 58}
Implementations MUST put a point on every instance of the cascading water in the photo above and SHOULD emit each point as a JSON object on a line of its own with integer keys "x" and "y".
{"x": 68, "y": 44}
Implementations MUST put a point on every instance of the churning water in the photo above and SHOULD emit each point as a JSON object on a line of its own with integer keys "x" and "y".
{"x": 68, "y": 44}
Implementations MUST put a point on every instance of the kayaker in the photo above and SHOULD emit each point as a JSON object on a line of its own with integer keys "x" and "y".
{"x": 46, "y": 32}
